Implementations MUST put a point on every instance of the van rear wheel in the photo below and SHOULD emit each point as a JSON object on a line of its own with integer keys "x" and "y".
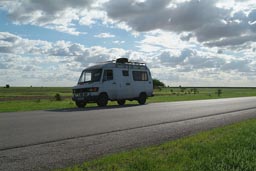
{"x": 142, "y": 98}
{"x": 102, "y": 100}
{"x": 121, "y": 102}
{"x": 80, "y": 104}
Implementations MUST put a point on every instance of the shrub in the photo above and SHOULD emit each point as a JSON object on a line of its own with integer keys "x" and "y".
{"x": 219, "y": 92}
{"x": 38, "y": 100}
{"x": 57, "y": 97}
{"x": 157, "y": 83}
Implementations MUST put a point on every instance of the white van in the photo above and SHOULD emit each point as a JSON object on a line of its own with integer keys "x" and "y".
{"x": 117, "y": 80}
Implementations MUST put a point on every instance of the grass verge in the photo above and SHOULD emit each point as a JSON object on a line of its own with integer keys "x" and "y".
{"x": 30, "y": 105}
{"x": 230, "y": 148}
{"x": 42, "y": 98}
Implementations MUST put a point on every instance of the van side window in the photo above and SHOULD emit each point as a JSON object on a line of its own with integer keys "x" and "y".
{"x": 125, "y": 73}
{"x": 140, "y": 75}
{"x": 108, "y": 75}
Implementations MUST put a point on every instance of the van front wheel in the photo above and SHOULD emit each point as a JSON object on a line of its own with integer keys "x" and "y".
{"x": 121, "y": 102}
{"x": 102, "y": 100}
{"x": 142, "y": 98}
{"x": 80, "y": 104}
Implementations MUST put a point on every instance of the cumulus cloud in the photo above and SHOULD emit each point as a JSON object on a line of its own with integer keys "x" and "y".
{"x": 10, "y": 43}
{"x": 212, "y": 22}
{"x": 207, "y": 21}
{"x": 59, "y": 61}
{"x": 190, "y": 60}
{"x": 237, "y": 65}
{"x": 233, "y": 41}
{"x": 13, "y": 44}
{"x": 52, "y": 14}
{"x": 169, "y": 60}
{"x": 149, "y": 15}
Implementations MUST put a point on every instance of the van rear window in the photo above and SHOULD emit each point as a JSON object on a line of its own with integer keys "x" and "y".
{"x": 140, "y": 75}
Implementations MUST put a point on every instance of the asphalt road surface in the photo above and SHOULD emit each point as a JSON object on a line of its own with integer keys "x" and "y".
{"x": 44, "y": 140}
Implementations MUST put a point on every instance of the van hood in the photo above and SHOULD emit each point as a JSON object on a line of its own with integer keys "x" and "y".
{"x": 87, "y": 85}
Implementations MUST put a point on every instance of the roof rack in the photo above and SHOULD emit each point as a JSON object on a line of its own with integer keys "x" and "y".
{"x": 124, "y": 61}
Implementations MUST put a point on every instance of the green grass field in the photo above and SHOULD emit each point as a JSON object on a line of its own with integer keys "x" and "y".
{"x": 33, "y": 91}
{"x": 231, "y": 148}
{"x": 42, "y": 98}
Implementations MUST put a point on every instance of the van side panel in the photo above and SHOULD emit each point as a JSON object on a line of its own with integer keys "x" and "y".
{"x": 124, "y": 84}
{"x": 109, "y": 85}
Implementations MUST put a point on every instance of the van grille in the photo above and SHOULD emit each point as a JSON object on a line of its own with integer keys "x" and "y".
{"x": 82, "y": 90}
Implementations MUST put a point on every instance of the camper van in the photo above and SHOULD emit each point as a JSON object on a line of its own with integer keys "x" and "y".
{"x": 118, "y": 80}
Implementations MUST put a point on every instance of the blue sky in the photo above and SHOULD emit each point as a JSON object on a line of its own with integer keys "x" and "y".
{"x": 184, "y": 42}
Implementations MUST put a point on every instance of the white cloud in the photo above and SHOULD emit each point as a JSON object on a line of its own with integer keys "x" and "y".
{"x": 42, "y": 63}
{"x": 118, "y": 42}
{"x": 104, "y": 35}
{"x": 208, "y": 21}
{"x": 159, "y": 40}
{"x": 51, "y": 14}
{"x": 189, "y": 60}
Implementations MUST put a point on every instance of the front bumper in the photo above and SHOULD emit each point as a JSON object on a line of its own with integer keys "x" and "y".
{"x": 86, "y": 97}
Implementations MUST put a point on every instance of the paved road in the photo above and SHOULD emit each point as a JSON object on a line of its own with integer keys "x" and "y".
{"x": 42, "y": 140}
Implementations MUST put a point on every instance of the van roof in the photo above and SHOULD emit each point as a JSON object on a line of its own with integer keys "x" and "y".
{"x": 115, "y": 64}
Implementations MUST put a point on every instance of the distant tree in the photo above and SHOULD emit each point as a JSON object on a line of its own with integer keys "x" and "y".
{"x": 7, "y": 86}
{"x": 182, "y": 89}
{"x": 157, "y": 83}
{"x": 219, "y": 92}
{"x": 194, "y": 90}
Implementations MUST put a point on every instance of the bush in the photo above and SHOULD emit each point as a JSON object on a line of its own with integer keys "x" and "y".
{"x": 57, "y": 97}
{"x": 38, "y": 100}
{"x": 157, "y": 83}
{"x": 219, "y": 92}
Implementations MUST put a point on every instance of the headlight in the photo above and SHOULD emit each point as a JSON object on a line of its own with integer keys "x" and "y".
{"x": 93, "y": 89}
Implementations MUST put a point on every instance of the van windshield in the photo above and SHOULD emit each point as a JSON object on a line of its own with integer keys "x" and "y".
{"x": 90, "y": 76}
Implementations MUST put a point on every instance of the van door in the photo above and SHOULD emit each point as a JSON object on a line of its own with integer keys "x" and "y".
{"x": 109, "y": 84}
{"x": 125, "y": 84}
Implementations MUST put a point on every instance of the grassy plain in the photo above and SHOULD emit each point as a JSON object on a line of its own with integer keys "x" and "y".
{"x": 230, "y": 148}
{"x": 42, "y": 98}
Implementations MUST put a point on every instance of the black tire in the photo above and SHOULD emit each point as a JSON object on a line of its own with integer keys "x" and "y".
{"x": 102, "y": 100}
{"x": 80, "y": 104}
{"x": 142, "y": 99}
{"x": 121, "y": 102}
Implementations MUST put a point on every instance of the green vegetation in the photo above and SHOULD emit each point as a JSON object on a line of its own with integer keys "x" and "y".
{"x": 43, "y": 98}
{"x": 28, "y": 105}
{"x": 192, "y": 93}
{"x": 34, "y": 91}
{"x": 231, "y": 148}
{"x": 157, "y": 83}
